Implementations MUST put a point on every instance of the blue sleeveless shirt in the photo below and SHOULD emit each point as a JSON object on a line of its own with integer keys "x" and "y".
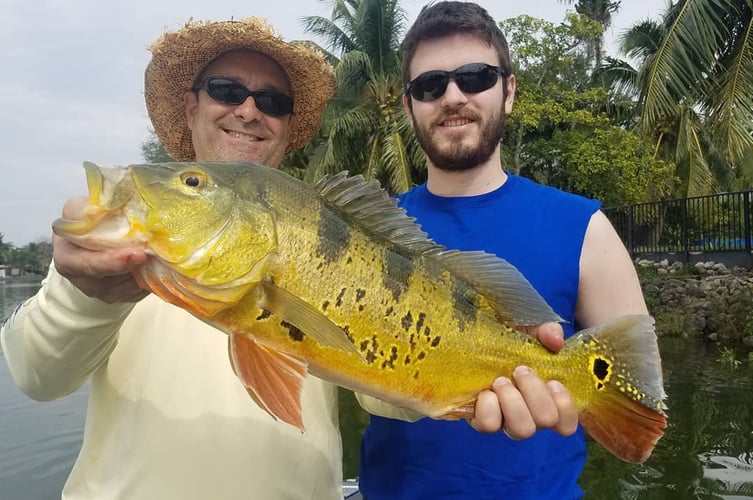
{"x": 540, "y": 230}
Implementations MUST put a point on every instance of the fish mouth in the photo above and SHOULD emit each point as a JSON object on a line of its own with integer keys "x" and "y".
{"x": 109, "y": 219}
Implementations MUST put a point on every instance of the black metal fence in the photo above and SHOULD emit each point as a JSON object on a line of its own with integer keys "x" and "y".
{"x": 715, "y": 227}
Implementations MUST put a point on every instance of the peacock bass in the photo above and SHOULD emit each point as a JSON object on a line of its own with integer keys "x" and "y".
{"x": 334, "y": 279}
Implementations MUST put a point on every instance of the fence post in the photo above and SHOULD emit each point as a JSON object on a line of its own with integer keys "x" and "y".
{"x": 684, "y": 232}
{"x": 630, "y": 241}
{"x": 746, "y": 218}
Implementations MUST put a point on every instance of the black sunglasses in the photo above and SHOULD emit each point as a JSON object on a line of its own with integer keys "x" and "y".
{"x": 229, "y": 91}
{"x": 470, "y": 78}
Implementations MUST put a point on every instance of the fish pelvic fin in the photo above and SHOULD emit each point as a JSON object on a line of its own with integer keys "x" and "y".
{"x": 625, "y": 413}
{"x": 273, "y": 379}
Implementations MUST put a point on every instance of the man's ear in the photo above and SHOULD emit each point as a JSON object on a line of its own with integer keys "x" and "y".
{"x": 510, "y": 96}
{"x": 292, "y": 125}
{"x": 191, "y": 103}
{"x": 408, "y": 106}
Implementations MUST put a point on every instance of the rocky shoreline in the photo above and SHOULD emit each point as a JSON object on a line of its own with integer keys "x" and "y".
{"x": 707, "y": 300}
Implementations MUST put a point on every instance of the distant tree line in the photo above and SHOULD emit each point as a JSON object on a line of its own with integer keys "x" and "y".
{"x": 32, "y": 258}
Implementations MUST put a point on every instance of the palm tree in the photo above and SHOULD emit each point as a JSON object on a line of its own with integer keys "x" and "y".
{"x": 365, "y": 128}
{"x": 693, "y": 88}
{"x": 600, "y": 11}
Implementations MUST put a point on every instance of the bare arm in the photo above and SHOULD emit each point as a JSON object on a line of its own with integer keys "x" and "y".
{"x": 609, "y": 285}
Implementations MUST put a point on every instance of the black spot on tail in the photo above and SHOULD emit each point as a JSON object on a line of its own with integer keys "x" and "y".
{"x": 601, "y": 368}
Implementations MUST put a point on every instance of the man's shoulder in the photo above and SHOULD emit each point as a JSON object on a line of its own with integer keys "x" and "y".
{"x": 544, "y": 193}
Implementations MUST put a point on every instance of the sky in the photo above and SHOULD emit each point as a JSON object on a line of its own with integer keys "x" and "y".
{"x": 72, "y": 84}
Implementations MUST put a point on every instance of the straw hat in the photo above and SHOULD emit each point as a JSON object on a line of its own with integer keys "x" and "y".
{"x": 179, "y": 57}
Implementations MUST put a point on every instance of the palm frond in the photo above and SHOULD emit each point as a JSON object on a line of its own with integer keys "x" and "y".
{"x": 730, "y": 104}
{"x": 334, "y": 37}
{"x": 690, "y": 156}
{"x": 677, "y": 70}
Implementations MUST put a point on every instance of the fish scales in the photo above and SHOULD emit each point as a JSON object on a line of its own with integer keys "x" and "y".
{"x": 335, "y": 280}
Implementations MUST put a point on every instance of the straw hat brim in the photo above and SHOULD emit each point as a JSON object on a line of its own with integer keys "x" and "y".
{"x": 178, "y": 58}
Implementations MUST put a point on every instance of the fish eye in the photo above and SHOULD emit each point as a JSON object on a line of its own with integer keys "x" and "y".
{"x": 194, "y": 179}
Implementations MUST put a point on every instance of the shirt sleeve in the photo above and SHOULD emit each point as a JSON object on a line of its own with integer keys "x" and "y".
{"x": 383, "y": 409}
{"x": 56, "y": 339}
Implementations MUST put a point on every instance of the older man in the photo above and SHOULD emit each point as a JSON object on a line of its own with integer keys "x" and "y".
{"x": 167, "y": 417}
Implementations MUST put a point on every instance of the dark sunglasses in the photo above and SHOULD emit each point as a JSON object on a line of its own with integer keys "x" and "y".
{"x": 229, "y": 91}
{"x": 470, "y": 79}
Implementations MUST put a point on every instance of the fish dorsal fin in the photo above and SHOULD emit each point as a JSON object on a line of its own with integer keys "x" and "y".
{"x": 510, "y": 295}
{"x": 375, "y": 210}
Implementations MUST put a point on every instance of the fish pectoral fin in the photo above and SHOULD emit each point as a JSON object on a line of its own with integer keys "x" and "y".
{"x": 273, "y": 379}
{"x": 303, "y": 316}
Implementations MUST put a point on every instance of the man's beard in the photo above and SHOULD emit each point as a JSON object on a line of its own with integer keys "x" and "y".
{"x": 457, "y": 157}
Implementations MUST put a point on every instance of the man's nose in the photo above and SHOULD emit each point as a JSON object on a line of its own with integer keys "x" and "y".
{"x": 247, "y": 110}
{"x": 453, "y": 95}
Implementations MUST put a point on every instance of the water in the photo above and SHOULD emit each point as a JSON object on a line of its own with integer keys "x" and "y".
{"x": 706, "y": 453}
{"x": 38, "y": 441}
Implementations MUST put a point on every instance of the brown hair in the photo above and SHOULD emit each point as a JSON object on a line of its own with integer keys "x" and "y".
{"x": 454, "y": 18}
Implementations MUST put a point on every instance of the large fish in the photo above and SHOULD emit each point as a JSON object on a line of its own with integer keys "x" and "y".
{"x": 335, "y": 280}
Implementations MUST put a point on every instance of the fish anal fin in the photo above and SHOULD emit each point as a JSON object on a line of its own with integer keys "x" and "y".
{"x": 465, "y": 411}
{"x": 625, "y": 427}
{"x": 273, "y": 379}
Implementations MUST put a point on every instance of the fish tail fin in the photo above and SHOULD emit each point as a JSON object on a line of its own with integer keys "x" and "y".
{"x": 625, "y": 412}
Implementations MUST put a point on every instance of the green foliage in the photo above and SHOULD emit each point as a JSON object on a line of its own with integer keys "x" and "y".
{"x": 152, "y": 150}
{"x": 365, "y": 129}
{"x": 353, "y": 421}
{"x": 694, "y": 90}
{"x": 32, "y": 258}
{"x": 560, "y": 133}
{"x": 728, "y": 358}
{"x": 673, "y": 324}
{"x": 608, "y": 163}
{"x": 6, "y": 250}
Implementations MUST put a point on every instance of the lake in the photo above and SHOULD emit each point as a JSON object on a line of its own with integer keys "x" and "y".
{"x": 706, "y": 452}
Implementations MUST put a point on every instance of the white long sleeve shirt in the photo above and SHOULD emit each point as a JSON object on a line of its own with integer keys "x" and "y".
{"x": 167, "y": 418}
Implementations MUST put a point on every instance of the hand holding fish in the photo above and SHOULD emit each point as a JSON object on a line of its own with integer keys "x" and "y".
{"x": 521, "y": 408}
{"x": 106, "y": 274}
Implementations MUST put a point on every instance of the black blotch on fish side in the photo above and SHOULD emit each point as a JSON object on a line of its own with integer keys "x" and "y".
{"x": 294, "y": 332}
{"x": 397, "y": 270}
{"x": 334, "y": 236}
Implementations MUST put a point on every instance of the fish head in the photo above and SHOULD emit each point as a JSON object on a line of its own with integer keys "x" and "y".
{"x": 189, "y": 217}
